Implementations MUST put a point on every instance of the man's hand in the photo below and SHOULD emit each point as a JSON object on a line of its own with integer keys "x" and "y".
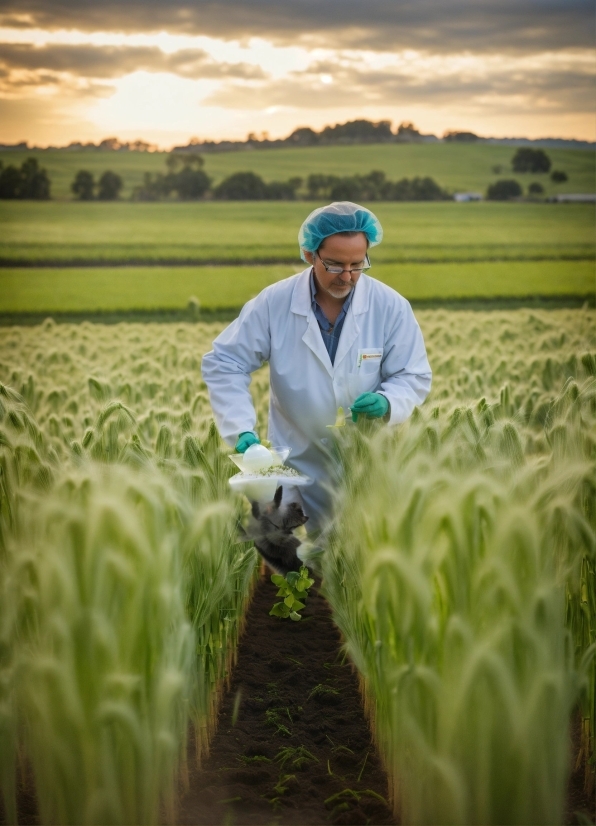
{"x": 371, "y": 405}
{"x": 245, "y": 440}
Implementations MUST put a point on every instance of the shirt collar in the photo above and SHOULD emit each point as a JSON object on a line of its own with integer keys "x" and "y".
{"x": 313, "y": 291}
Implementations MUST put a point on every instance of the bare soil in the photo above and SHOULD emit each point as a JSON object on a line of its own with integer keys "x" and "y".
{"x": 292, "y": 745}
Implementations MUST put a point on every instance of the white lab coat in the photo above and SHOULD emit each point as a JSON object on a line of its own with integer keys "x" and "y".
{"x": 380, "y": 349}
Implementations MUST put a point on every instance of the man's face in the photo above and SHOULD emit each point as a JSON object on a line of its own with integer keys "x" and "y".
{"x": 344, "y": 251}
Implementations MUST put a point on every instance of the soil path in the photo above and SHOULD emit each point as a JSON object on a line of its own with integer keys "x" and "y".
{"x": 292, "y": 745}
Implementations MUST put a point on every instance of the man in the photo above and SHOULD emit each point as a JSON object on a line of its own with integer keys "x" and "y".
{"x": 333, "y": 337}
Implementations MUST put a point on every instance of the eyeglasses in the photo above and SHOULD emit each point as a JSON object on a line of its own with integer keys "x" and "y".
{"x": 338, "y": 270}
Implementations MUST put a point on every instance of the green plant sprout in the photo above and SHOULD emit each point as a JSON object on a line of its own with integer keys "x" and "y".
{"x": 282, "y": 784}
{"x": 293, "y": 588}
{"x": 272, "y": 719}
{"x": 258, "y": 758}
{"x": 297, "y": 757}
{"x": 351, "y": 794}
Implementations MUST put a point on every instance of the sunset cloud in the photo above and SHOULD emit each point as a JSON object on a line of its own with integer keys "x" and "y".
{"x": 116, "y": 61}
{"x": 549, "y": 81}
{"x": 222, "y": 68}
{"x": 473, "y": 25}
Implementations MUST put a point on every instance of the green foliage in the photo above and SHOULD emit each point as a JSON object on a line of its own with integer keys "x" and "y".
{"x": 294, "y": 589}
{"x": 30, "y": 182}
{"x": 248, "y": 186}
{"x": 455, "y": 166}
{"x": 557, "y": 176}
{"x": 536, "y": 188}
{"x": 295, "y": 757}
{"x": 374, "y": 187}
{"x": 109, "y": 186}
{"x": 461, "y": 570}
{"x": 185, "y": 177}
{"x": 527, "y": 159}
{"x": 503, "y": 190}
{"x": 83, "y": 185}
{"x": 461, "y": 575}
{"x": 122, "y": 587}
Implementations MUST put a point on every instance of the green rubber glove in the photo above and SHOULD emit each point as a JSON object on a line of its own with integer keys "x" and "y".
{"x": 245, "y": 440}
{"x": 372, "y": 405}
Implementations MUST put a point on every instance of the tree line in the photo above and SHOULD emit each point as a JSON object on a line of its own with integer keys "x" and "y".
{"x": 29, "y": 182}
{"x": 186, "y": 180}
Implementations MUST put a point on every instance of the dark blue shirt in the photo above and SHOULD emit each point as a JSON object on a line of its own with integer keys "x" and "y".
{"x": 330, "y": 332}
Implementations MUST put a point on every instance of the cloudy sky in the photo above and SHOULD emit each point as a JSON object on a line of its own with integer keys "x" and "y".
{"x": 167, "y": 70}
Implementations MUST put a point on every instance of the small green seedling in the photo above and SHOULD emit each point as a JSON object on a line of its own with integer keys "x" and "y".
{"x": 293, "y": 588}
{"x": 296, "y": 757}
{"x": 272, "y": 719}
{"x": 322, "y": 690}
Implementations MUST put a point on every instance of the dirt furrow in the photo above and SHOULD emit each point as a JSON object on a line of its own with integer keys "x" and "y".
{"x": 292, "y": 745}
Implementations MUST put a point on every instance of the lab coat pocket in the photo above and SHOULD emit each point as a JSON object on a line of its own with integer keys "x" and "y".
{"x": 367, "y": 376}
{"x": 369, "y": 360}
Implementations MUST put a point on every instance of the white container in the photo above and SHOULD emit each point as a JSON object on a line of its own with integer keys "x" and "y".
{"x": 278, "y": 455}
{"x": 259, "y": 488}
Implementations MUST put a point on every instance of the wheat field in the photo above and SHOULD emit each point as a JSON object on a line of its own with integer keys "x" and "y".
{"x": 460, "y": 567}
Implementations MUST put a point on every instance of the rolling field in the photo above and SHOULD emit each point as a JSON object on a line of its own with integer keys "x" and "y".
{"x": 241, "y": 232}
{"x": 455, "y": 167}
{"x": 459, "y": 569}
{"x": 101, "y": 289}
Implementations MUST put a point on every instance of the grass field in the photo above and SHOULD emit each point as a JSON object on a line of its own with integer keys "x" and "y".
{"x": 455, "y": 167}
{"x": 150, "y": 288}
{"x": 240, "y": 232}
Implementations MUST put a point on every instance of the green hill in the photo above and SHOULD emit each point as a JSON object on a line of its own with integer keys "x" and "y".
{"x": 456, "y": 167}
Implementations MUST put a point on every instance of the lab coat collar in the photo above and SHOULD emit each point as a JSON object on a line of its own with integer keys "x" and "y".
{"x": 302, "y": 305}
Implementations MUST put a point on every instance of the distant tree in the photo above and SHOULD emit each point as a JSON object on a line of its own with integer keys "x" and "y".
{"x": 503, "y": 190}
{"x": 191, "y": 184}
{"x": 536, "y": 189}
{"x": 177, "y": 160}
{"x": 530, "y": 160}
{"x": 10, "y": 179}
{"x": 283, "y": 190}
{"x": 497, "y": 169}
{"x": 358, "y": 131}
{"x": 319, "y": 186}
{"x": 110, "y": 145}
{"x": 186, "y": 176}
{"x": 35, "y": 183}
{"x": 304, "y": 136}
{"x": 152, "y": 188}
{"x": 373, "y": 187}
{"x": 83, "y": 185}
{"x": 242, "y": 186}
{"x": 29, "y": 182}
{"x": 417, "y": 189}
{"x": 407, "y": 133}
{"x": 460, "y": 137}
{"x": 110, "y": 185}
{"x": 347, "y": 189}
{"x": 557, "y": 176}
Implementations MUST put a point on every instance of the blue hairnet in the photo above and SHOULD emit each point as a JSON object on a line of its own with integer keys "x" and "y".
{"x": 340, "y": 216}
